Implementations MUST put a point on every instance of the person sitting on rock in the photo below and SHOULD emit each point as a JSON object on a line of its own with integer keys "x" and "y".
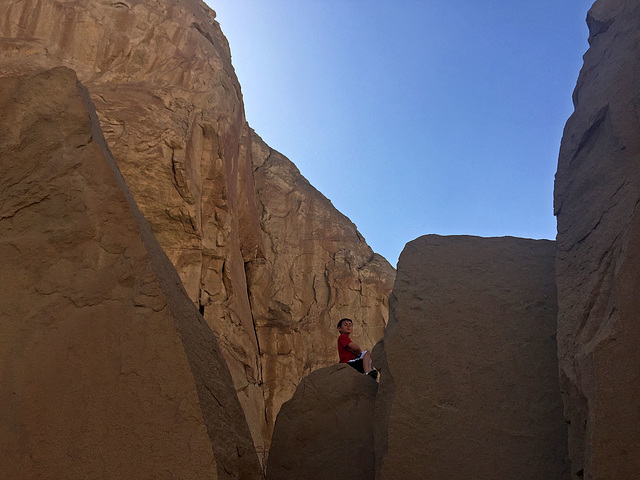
{"x": 350, "y": 353}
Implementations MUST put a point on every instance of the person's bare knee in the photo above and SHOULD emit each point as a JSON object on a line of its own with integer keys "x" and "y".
{"x": 366, "y": 362}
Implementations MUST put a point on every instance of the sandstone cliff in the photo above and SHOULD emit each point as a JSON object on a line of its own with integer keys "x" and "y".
{"x": 316, "y": 270}
{"x": 266, "y": 258}
{"x": 106, "y": 368}
{"x": 597, "y": 192}
{"x": 469, "y": 382}
{"x": 325, "y": 431}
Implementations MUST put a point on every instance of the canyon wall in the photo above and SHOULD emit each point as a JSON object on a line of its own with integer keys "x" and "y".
{"x": 267, "y": 259}
{"x": 469, "y": 374}
{"x": 597, "y": 192}
{"x": 106, "y": 368}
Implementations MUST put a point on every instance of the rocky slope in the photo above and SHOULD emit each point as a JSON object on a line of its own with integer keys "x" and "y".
{"x": 106, "y": 368}
{"x": 596, "y": 198}
{"x": 266, "y": 258}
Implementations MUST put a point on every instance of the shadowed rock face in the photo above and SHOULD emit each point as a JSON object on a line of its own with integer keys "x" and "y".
{"x": 325, "y": 432}
{"x": 597, "y": 192}
{"x": 469, "y": 379}
{"x": 264, "y": 256}
{"x": 106, "y": 368}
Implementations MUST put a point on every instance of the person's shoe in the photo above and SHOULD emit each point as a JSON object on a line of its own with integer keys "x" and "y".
{"x": 373, "y": 374}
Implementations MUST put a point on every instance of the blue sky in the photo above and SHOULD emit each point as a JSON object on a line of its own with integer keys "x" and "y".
{"x": 415, "y": 117}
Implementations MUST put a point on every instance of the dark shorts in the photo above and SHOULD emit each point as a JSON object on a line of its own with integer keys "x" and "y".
{"x": 357, "y": 364}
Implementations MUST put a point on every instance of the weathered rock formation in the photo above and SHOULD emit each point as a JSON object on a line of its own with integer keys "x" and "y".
{"x": 265, "y": 257}
{"x": 597, "y": 193}
{"x": 316, "y": 270}
{"x": 106, "y": 368}
{"x": 469, "y": 382}
{"x": 325, "y": 431}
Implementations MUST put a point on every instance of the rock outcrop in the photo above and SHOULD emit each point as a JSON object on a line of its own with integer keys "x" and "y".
{"x": 597, "y": 192}
{"x": 325, "y": 431}
{"x": 469, "y": 374}
{"x": 106, "y": 368}
{"x": 268, "y": 261}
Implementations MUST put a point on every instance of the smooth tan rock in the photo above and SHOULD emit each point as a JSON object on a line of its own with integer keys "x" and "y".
{"x": 106, "y": 368}
{"x": 266, "y": 258}
{"x": 325, "y": 431}
{"x": 596, "y": 197}
{"x": 469, "y": 380}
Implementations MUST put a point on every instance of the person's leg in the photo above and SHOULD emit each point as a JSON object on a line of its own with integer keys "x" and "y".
{"x": 357, "y": 364}
{"x": 366, "y": 362}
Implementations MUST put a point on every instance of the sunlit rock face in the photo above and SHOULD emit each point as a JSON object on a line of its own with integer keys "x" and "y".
{"x": 325, "y": 431}
{"x": 316, "y": 270}
{"x": 597, "y": 192}
{"x": 106, "y": 368}
{"x": 267, "y": 259}
{"x": 469, "y": 373}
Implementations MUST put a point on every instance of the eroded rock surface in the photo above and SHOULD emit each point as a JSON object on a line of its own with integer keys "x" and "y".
{"x": 266, "y": 258}
{"x": 469, "y": 373}
{"x": 106, "y": 368}
{"x": 325, "y": 431}
{"x": 597, "y": 192}
{"x": 316, "y": 270}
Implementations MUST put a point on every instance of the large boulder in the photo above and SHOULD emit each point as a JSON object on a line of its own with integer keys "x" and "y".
{"x": 267, "y": 260}
{"x": 325, "y": 431}
{"x": 469, "y": 379}
{"x": 597, "y": 192}
{"x": 107, "y": 370}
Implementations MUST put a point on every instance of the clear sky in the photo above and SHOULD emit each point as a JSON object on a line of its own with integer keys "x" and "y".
{"x": 415, "y": 116}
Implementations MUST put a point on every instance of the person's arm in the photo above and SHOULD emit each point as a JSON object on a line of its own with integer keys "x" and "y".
{"x": 354, "y": 348}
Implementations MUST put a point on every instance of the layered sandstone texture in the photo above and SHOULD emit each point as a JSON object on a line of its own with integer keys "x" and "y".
{"x": 469, "y": 374}
{"x": 106, "y": 368}
{"x": 325, "y": 431}
{"x": 265, "y": 257}
{"x": 597, "y": 192}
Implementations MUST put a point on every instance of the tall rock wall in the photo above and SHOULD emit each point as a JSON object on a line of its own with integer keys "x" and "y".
{"x": 106, "y": 368}
{"x": 266, "y": 258}
{"x": 597, "y": 192}
{"x": 469, "y": 373}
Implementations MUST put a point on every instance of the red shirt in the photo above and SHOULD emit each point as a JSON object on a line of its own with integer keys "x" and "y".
{"x": 344, "y": 354}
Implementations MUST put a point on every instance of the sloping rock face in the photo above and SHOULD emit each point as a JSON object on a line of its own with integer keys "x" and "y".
{"x": 469, "y": 374}
{"x": 325, "y": 431}
{"x": 316, "y": 270}
{"x": 597, "y": 192}
{"x": 106, "y": 368}
{"x": 266, "y": 258}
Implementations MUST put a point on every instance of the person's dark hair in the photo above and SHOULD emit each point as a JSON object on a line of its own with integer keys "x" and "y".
{"x": 344, "y": 320}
